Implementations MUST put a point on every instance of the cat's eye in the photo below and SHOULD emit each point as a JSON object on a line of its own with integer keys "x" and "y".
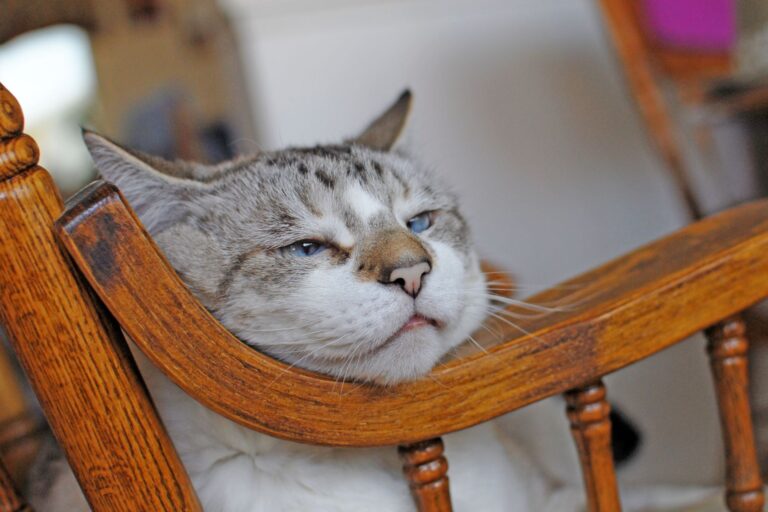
{"x": 420, "y": 222}
{"x": 304, "y": 248}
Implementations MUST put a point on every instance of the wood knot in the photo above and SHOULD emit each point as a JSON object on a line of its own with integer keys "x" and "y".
{"x": 17, "y": 154}
{"x": 423, "y": 462}
{"x": 11, "y": 117}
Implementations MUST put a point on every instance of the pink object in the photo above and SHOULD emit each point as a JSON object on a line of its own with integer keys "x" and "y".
{"x": 695, "y": 24}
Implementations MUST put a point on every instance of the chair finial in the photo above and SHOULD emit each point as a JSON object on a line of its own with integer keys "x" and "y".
{"x": 11, "y": 117}
{"x": 17, "y": 150}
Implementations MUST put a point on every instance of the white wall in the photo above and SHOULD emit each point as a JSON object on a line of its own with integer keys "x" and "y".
{"x": 521, "y": 105}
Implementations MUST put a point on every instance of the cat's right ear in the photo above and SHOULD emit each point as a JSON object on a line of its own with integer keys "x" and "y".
{"x": 385, "y": 131}
{"x": 156, "y": 197}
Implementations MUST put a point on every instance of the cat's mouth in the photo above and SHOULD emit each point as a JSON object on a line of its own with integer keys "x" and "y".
{"x": 416, "y": 321}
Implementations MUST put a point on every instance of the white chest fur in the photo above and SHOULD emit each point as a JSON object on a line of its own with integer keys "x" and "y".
{"x": 238, "y": 470}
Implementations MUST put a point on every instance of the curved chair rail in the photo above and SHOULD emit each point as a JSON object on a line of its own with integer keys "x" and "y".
{"x": 620, "y": 313}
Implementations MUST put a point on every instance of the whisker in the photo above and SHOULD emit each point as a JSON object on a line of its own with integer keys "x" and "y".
{"x": 357, "y": 360}
{"x": 437, "y": 381}
{"x": 515, "y": 326}
{"x": 515, "y": 314}
{"x": 527, "y": 305}
{"x": 478, "y": 345}
{"x": 496, "y": 334}
{"x": 308, "y": 354}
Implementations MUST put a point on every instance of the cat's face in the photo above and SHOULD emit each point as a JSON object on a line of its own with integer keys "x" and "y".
{"x": 351, "y": 260}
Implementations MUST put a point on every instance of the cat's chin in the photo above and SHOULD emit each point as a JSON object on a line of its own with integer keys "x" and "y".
{"x": 407, "y": 356}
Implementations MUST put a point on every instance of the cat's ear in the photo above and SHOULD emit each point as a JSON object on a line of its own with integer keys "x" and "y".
{"x": 383, "y": 133}
{"x": 156, "y": 191}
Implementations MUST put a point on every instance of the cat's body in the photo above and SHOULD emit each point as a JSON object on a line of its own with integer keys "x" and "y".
{"x": 235, "y": 469}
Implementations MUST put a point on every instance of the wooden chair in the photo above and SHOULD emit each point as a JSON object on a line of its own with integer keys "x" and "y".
{"x": 705, "y": 78}
{"x": 648, "y": 65}
{"x": 66, "y": 272}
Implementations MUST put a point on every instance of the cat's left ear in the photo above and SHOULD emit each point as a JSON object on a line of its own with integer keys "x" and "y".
{"x": 157, "y": 190}
{"x": 384, "y": 132}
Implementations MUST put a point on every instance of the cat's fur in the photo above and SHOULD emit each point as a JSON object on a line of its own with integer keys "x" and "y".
{"x": 225, "y": 229}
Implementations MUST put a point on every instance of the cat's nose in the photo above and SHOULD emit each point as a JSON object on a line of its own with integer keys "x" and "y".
{"x": 410, "y": 277}
{"x": 395, "y": 257}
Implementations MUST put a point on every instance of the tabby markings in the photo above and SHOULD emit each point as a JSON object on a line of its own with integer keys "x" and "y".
{"x": 362, "y": 203}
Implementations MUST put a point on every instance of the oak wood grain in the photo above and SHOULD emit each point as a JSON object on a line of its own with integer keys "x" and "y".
{"x": 727, "y": 348}
{"x": 589, "y": 416}
{"x": 426, "y": 470}
{"x": 610, "y": 317}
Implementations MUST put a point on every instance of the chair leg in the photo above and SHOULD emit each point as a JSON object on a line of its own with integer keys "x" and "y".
{"x": 727, "y": 350}
{"x": 588, "y": 412}
{"x": 426, "y": 470}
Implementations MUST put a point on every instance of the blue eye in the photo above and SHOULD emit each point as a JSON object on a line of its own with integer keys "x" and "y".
{"x": 305, "y": 248}
{"x": 420, "y": 222}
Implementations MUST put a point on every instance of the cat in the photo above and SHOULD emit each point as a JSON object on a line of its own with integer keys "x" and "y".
{"x": 350, "y": 259}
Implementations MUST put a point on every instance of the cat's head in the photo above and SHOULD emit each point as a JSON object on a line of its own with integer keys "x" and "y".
{"x": 349, "y": 259}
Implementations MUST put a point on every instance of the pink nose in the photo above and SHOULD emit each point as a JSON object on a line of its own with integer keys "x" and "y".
{"x": 410, "y": 278}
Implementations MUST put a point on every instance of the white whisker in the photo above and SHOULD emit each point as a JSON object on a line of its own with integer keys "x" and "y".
{"x": 478, "y": 345}
{"x": 515, "y": 326}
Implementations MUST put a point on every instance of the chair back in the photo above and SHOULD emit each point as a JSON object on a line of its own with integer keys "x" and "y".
{"x": 70, "y": 271}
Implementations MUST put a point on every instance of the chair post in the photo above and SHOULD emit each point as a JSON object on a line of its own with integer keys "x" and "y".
{"x": 74, "y": 356}
{"x": 426, "y": 470}
{"x": 588, "y": 412}
{"x": 727, "y": 350}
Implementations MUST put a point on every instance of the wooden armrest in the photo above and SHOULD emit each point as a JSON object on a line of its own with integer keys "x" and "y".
{"x": 620, "y": 313}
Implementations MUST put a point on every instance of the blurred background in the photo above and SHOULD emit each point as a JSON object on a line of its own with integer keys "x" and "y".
{"x": 573, "y": 130}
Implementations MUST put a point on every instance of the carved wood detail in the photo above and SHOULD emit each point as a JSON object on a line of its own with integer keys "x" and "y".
{"x": 17, "y": 154}
{"x": 11, "y": 116}
{"x": 426, "y": 470}
{"x": 588, "y": 412}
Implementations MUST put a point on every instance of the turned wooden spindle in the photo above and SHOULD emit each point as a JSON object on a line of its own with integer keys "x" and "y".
{"x": 426, "y": 470}
{"x": 10, "y": 500}
{"x": 588, "y": 412}
{"x": 727, "y": 350}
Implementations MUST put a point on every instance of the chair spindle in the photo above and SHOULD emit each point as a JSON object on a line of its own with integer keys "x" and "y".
{"x": 727, "y": 350}
{"x": 588, "y": 412}
{"x": 426, "y": 470}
